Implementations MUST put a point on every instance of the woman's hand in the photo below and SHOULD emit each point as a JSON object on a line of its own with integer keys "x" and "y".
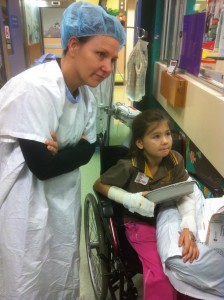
{"x": 190, "y": 250}
{"x": 84, "y": 137}
{"x": 145, "y": 193}
{"x": 52, "y": 145}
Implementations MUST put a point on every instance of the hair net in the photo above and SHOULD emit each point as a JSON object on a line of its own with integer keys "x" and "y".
{"x": 83, "y": 19}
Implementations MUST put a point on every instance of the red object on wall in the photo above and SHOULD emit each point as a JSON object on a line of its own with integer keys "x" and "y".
{"x": 208, "y": 45}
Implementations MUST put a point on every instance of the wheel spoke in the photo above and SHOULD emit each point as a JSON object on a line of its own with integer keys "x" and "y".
{"x": 96, "y": 247}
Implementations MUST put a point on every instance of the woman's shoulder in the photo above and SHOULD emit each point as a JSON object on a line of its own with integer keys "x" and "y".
{"x": 46, "y": 76}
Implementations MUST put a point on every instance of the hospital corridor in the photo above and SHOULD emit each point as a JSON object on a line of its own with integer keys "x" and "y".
{"x": 120, "y": 102}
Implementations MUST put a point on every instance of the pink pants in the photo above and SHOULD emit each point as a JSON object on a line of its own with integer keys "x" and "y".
{"x": 156, "y": 285}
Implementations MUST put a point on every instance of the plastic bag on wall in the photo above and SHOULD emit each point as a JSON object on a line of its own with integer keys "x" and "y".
{"x": 136, "y": 71}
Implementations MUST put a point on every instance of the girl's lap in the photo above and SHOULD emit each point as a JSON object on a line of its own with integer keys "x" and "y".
{"x": 204, "y": 277}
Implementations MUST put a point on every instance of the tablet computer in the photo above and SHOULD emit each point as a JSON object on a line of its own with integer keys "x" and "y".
{"x": 170, "y": 192}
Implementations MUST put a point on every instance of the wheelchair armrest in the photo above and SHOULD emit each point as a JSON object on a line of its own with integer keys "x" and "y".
{"x": 106, "y": 205}
{"x": 216, "y": 191}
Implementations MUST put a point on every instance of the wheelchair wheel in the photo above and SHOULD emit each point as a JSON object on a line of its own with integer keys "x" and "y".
{"x": 96, "y": 247}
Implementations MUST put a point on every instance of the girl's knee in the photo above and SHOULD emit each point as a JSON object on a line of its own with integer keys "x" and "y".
{"x": 159, "y": 279}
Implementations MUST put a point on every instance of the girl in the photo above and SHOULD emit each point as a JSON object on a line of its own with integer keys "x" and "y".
{"x": 152, "y": 164}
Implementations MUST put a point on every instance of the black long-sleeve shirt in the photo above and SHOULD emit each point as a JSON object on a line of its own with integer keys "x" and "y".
{"x": 44, "y": 165}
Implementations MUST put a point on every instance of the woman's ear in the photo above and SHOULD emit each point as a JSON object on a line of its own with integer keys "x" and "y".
{"x": 72, "y": 43}
{"x": 139, "y": 144}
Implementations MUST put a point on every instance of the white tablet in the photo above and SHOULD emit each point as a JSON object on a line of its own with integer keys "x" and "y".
{"x": 170, "y": 192}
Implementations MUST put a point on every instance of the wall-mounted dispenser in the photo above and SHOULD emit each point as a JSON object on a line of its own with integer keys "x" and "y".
{"x": 173, "y": 88}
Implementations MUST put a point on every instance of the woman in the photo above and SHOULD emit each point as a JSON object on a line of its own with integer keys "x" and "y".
{"x": 40, "y": 186}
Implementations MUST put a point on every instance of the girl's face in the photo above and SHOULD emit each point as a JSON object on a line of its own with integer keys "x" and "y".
{"x": 157, "y": 142}
{"x": 94, "y": 59}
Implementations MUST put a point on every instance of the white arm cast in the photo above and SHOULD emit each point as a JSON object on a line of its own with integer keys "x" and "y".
{"x": 187, "y": 209}
{"x": 134, "y": 202}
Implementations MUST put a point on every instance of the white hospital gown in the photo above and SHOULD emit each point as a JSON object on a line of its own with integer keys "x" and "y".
{"x": 40, "y": 220}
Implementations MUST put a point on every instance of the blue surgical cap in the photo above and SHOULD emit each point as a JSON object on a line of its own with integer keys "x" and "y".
{"x": 84, "y": 19}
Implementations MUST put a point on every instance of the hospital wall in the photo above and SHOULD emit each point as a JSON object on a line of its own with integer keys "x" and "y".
{"x": 16, "y": 60}
{"x": 201, "y": 118}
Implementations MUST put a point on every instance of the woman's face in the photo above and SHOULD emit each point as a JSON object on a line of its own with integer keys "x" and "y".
{"x": 94, "y": 60}
{"x": 157, "y": 141}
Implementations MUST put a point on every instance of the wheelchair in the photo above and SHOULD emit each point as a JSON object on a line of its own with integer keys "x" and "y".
{"x": 111, "y": 269}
